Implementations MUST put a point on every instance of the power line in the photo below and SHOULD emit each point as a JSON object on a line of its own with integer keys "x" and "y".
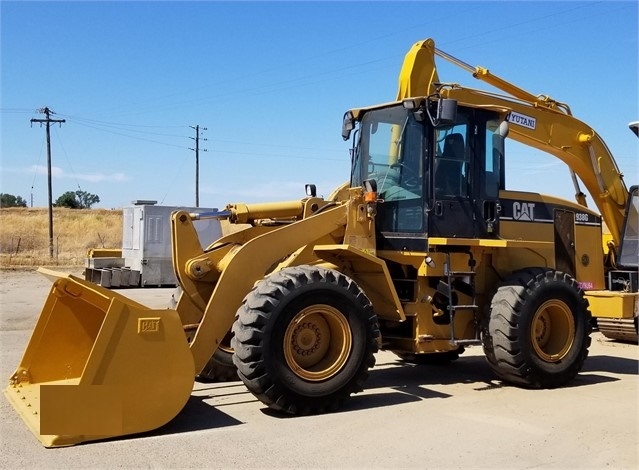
{"x": 120, "y": 127}
{"x": 119, "y": 124}
{"x": 47, "y": 112}
{"x": 66, "y": 155}
{"x": 15, "y": 111}
{"x": 95, "y": 124}
{"x": 35, "y": 170}
{"x": 131, "y": 136}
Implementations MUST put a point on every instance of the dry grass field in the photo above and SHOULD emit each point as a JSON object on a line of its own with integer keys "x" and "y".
{"x": 24, "y": 235}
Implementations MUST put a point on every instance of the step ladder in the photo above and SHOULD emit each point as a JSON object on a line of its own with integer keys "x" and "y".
{"x": 451, "y": 277}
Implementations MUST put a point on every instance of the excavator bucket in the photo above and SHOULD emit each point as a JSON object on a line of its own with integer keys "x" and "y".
{"x": 100, "y": 365}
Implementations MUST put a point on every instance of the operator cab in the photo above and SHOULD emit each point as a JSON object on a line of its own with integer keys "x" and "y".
{"x": 438, "y": 168}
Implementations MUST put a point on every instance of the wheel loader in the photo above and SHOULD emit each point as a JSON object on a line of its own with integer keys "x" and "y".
{"x": 424, "y": 252}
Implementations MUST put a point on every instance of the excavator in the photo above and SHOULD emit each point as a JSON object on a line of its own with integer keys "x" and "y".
{"x": 424, "y": 253}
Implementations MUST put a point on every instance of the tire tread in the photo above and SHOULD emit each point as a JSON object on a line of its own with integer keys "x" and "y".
{"x": 501, "y": 329}
{"x": 250, "y": 327}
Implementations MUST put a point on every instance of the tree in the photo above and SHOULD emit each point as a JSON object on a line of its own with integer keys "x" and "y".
{"x": 87, "y": 199}
{"x": 67, "y": 200}
{"x": 77, "y": 200}
{"x": 9, "y": 200}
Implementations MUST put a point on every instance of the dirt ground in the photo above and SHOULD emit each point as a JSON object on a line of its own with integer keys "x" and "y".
{"x": 457, "y": 416}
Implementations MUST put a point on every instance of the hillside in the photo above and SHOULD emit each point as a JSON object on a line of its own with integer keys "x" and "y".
{"x": 24, "y": 235}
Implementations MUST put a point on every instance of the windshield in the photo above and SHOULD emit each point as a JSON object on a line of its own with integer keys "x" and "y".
{"x": 390, "y": 151}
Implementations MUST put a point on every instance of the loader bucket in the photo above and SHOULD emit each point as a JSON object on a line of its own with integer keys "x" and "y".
{"x": 100, "y": 365}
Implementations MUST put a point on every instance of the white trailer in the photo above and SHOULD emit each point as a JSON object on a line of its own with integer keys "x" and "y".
{"x": 146, "y": 247}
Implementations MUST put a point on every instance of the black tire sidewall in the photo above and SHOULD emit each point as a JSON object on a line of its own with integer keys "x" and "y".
{"x": 223, "y": 358}
{"x": 560, "y": 291}
{"x": 282, "y": 315}
{"x": 508, "y": 328}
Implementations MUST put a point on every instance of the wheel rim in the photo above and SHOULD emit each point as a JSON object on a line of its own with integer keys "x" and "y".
{"x": 317, "y": 342}
{"x": 553, "y": 331}
{"x": 225, "y": 344}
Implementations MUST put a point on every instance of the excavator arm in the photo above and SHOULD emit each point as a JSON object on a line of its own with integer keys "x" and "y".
{"x": 536, "y": 121}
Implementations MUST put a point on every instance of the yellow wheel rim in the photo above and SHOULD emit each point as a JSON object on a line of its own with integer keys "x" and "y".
{"x": 225, "y": 345}
{"x": 553, "y": 330}
{"x": 317, "y": 342}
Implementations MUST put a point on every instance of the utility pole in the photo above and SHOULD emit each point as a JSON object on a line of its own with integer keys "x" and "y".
{"x": 197, "y": 161}
{"x": 47, "y": 112}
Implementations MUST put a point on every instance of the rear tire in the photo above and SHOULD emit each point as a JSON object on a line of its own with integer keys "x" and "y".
{"x": 537, "y": 332}
{"x": 304, "y": 339}
{"x": 220, "y": 367}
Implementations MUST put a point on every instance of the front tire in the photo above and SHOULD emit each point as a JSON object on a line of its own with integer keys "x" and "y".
{"x": 304, "y": 339}
{"x": 537, "y": 332}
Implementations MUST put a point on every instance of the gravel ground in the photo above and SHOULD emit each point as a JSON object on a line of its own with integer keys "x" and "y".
{"x": 456, "y": 416}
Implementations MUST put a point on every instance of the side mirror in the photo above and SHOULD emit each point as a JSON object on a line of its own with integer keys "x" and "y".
{"x": 370, "y": 186}
{"x": 502, "y": 130}
{"x": 446, "y": 112}
{"x": 348, "y": 125}
{"x": 499, "y": 138}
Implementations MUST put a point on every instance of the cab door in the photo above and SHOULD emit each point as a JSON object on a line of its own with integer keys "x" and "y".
{"x": 467, "y": 175}
{"x": 452, "y": 212}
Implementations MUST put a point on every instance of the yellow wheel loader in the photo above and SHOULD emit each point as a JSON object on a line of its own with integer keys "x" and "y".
{"x": 423, "y": 253}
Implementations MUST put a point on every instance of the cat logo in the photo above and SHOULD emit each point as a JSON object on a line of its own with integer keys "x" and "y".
{"x": 148, "y": 325}
{"x": 524, "y": 211}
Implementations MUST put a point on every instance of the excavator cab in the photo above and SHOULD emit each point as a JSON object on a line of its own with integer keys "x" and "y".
{"x": 629, "y": 247}
{"x": 622, "y": 278}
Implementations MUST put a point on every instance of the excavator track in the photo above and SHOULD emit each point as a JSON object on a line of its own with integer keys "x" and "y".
{"x": 622, "y": 329}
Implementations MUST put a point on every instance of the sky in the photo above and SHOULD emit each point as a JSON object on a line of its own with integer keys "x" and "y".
{"x": 270, "y": 82}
